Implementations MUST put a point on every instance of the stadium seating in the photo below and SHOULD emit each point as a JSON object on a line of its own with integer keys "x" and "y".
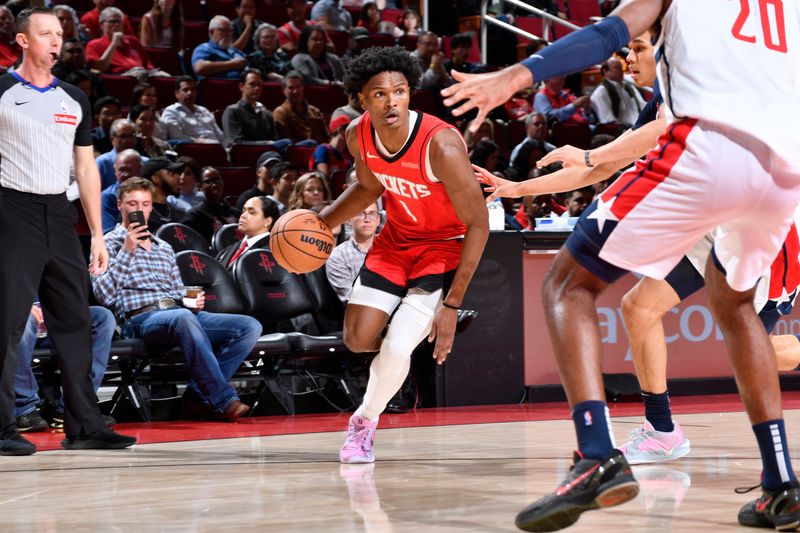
{"x": 200, "y": 269}
{"x": 299, "y": 155}
{"x": 119, "y": 87}
{"x": 224, "y": 237}
{"x": 578, "y": 135}
{"x": 182, "y": 237}
{"x": 207, "y": 153}
{"x": 165, "y": 58}
{"x": 326, "y": 97}
{"x": 165, "y": 90}
{"x": 218, "y": 93}
{"x": 246, "y": 155}
{"x": 379, "y": 39}
{"x": 274, "y": 13}
{"x": 222, "y": 7}
{"x": 194, "y": 10}
{"x": 516, "y": 133}
{"x": 340, "y": 40}
{"x": 237, "y": 179}
{"x": 272, "y": 95}
{"x": 194, "y": 33}
{"x": 426, "y": 101}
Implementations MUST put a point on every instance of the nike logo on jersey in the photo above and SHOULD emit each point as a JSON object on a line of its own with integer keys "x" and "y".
{"x": 403, "y": 187}
{"x": 20, "y": 103}
{"x": 372, "y": 156}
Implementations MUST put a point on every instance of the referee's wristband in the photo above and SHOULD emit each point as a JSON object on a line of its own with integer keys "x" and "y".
{"x": 587, "y": 159}
{"x": 447, "y": 305}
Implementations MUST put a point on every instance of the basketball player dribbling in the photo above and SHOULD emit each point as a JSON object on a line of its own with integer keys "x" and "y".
{"x": 729, "y": 160}
{"x": 422, "y": 261}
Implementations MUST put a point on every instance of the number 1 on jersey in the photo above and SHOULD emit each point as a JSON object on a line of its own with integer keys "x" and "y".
{"x": 770, "y": 41}
{"x": 410, "y": 214}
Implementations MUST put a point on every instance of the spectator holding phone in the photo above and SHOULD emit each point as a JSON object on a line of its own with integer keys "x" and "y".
{"x": 144, "y": 288}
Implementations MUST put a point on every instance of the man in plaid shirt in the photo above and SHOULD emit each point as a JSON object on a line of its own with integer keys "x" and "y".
{"x": 144, "y": 288}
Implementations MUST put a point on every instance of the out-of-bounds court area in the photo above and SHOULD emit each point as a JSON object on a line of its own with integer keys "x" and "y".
{"x": 450, "y": 469}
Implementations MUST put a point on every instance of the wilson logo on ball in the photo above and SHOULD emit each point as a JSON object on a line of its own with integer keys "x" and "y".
{"x": 322, "y": 246}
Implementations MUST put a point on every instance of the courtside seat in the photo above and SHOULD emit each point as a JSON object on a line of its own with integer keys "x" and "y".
{"x": 224, "y": 237}
{"x": 222, "y": 294}
{"x": 182, "y": 237}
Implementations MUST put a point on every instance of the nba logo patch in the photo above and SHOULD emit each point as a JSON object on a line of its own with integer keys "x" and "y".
{"x": 587, "y": 418}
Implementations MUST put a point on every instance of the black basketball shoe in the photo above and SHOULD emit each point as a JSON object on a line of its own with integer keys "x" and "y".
{"x": 779, "y": 508}
{"x": 591, "y": 484}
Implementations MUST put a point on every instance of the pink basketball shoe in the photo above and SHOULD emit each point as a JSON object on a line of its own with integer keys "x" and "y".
{"x": 646, "y": 445}
{"x": 358, "y": 445}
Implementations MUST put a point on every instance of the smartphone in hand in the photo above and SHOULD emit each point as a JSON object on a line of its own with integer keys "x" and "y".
{"x": 138, "y": 218}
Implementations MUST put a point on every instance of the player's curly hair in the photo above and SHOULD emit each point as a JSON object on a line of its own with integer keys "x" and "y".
{"x": 377, "y": 59}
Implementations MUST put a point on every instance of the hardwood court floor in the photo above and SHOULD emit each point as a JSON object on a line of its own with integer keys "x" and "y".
{"x": 461, "y": 477}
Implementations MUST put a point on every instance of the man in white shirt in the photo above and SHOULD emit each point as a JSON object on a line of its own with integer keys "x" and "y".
{"x": 616, "y": 99}
{"x": 346, "y": 260}
{"x": 187, "y": 121}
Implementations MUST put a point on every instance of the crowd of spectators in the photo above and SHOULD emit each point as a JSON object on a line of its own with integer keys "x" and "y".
{"x": 141, "y": 133}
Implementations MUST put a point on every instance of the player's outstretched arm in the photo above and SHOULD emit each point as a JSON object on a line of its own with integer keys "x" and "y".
{"x": 589, "y": 46}
{"x": 629, "y": 147}
{"x": 606, "y": 160}
{"x": 451, "y": 166}
{"x": 358, "y": 196}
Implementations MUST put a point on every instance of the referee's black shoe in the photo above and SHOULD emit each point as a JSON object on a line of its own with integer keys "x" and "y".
{"x": 779, "y": 508}
{"x": 16, "y": 444}
{"x": 102, "y": 439}
{"x": 590, "y": 484}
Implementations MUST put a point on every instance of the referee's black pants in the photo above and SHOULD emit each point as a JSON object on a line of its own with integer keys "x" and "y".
{"x": 40, "y": 254}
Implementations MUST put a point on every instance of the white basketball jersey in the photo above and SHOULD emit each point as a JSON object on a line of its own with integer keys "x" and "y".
{"x": 736, "y": 63}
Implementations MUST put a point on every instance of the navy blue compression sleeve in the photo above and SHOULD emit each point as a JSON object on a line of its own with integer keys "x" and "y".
{"x": 578, "y": 50}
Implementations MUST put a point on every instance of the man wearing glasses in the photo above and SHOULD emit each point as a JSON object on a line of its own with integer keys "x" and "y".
{"x": 123, "y": 137}
{"x": 347, "y": 259}
{"x": 218, "y": 58}
{"x": 116, "y": 53}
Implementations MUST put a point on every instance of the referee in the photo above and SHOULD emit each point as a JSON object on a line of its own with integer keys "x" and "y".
{"x": 44, "y": 123}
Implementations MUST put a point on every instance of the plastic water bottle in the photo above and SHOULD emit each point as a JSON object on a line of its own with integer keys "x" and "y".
{"x": 41, "y": 328}
{"x": 497, "y": 216}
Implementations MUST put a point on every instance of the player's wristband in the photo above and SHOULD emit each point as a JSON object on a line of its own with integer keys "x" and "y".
{"x": 447, "y": 305}
{"x": 578, "y": 50}
{"x": 587, "y": 159}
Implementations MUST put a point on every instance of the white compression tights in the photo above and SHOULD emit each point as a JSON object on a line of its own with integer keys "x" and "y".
{"x": 410, "y": 324}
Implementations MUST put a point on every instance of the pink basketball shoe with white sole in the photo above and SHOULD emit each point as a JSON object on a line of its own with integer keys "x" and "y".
{"x": 646, "y": 445}
{"x": 358, "y": 445}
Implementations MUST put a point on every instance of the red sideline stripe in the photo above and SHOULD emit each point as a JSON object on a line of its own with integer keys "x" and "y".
{"x": 182, "y": 431}
{"x": 636, "y": 184}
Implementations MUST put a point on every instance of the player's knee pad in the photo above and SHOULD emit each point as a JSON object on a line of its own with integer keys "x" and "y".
{"x": 410, "y": 324}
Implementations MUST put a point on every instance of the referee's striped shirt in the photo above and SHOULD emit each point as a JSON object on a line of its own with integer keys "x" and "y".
{"x": 39, "y": 128}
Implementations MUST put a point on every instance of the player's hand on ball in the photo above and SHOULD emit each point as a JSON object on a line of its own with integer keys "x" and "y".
{"x": 444, "y": 331}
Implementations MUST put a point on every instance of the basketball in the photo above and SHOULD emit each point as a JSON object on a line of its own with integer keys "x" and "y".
{"x": 301, "y": 241}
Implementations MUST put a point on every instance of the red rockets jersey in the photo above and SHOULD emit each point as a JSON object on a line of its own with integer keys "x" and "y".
{"x": 417, "y": 206}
